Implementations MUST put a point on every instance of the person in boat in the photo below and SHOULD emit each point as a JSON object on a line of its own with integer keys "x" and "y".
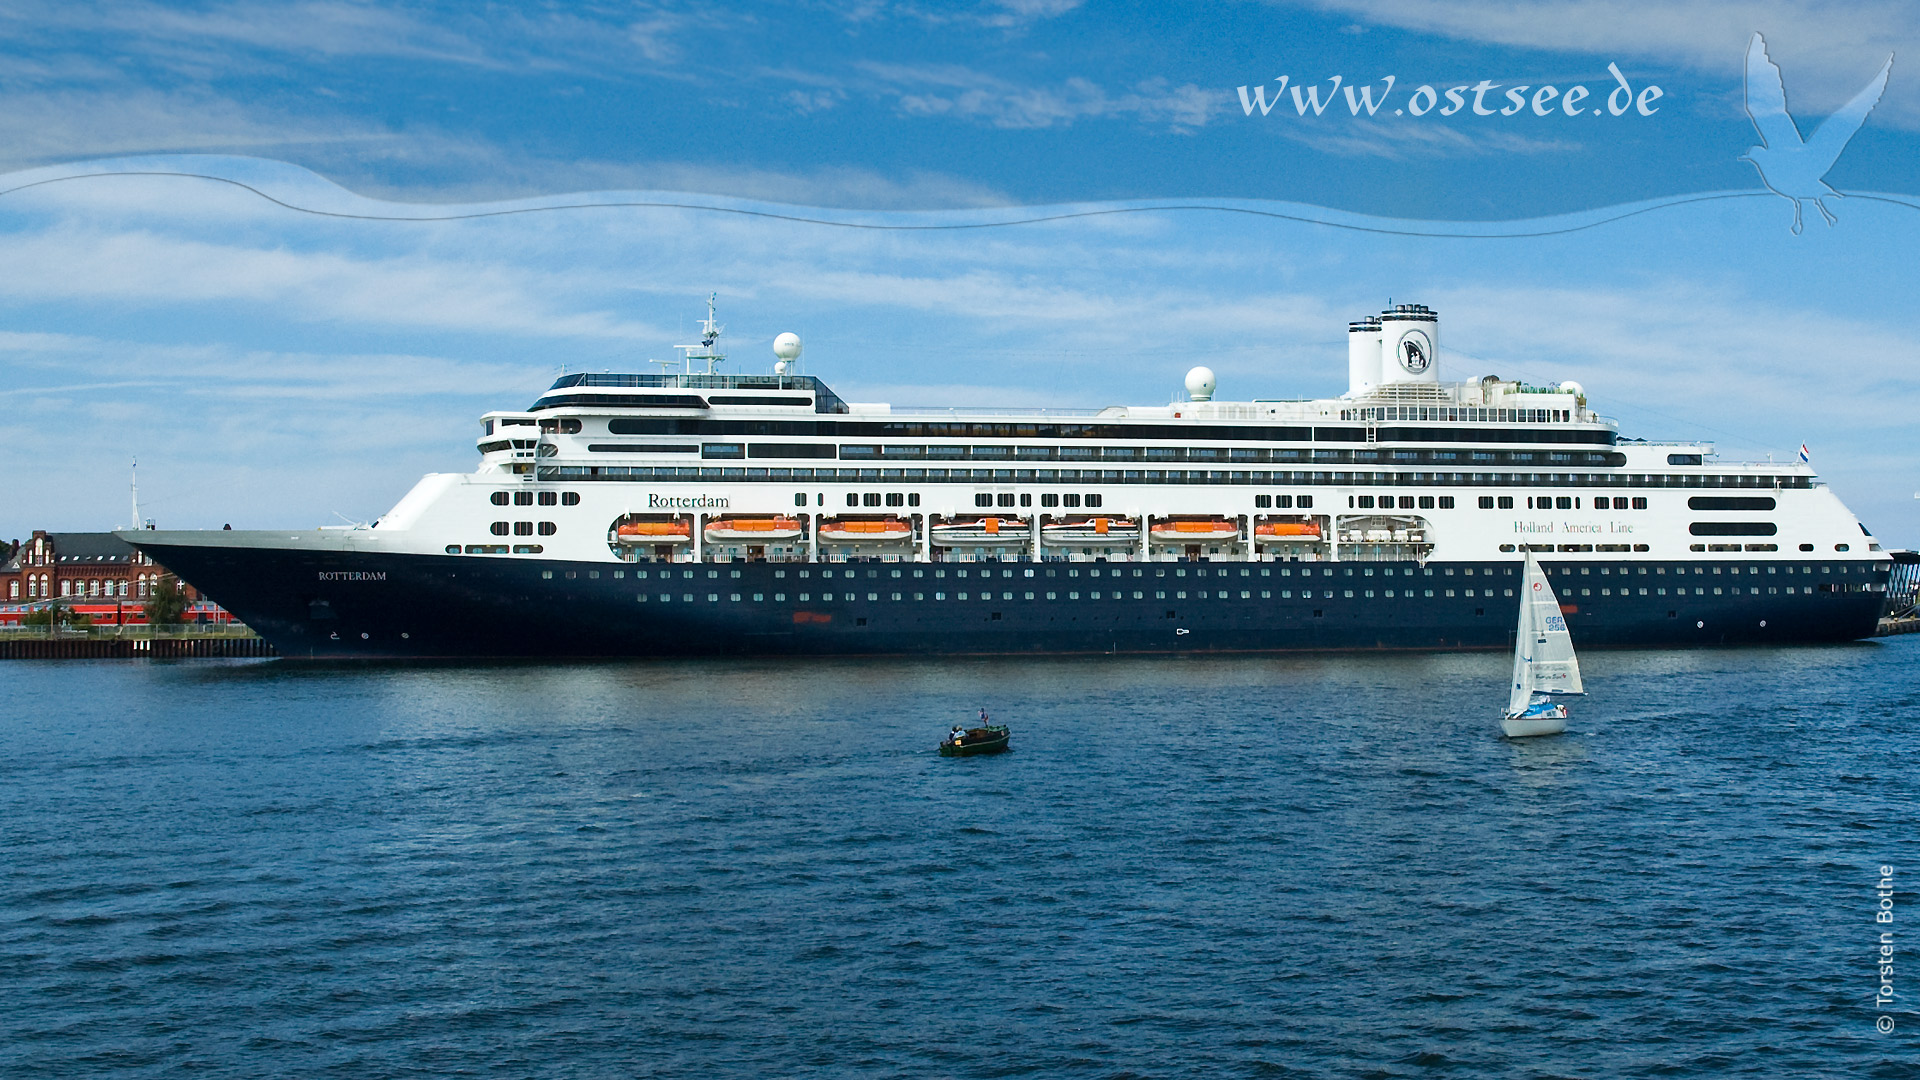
{"x": 957, "y": 735}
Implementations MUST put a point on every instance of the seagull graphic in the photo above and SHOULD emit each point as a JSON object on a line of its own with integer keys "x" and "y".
{"x": 1789, "y": 165}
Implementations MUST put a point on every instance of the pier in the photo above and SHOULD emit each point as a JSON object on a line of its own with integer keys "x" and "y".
{"x": 80, "y": 646}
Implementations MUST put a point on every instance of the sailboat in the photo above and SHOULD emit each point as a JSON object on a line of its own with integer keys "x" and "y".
{"x": 1543, "y": 662}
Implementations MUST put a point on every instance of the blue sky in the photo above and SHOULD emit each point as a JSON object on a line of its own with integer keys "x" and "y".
{"x": 272, "y": 368}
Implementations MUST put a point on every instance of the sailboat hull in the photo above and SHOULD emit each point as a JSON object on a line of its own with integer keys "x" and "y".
{"x": 1520, "y": 727}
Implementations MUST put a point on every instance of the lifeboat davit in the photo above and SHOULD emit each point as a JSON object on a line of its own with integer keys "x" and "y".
{"x": 1095, "y": 530}
{"x": 754, "y": 530}
{"x": 883, "y": 531}
{"x": 1286, "y": 530}
{"x": 989, "y": 530}
{"x": 653, "y": 532}
{"x": 1195, "y": 530}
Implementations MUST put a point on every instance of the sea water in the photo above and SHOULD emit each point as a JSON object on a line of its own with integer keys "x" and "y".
{"x": 1300, "y": 866}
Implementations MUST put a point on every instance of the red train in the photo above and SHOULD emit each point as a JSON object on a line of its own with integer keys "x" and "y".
{"x": 204, "y": 612}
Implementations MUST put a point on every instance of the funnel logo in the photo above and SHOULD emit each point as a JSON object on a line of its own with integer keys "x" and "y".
{"x": 1416, "y": 353}
{"x": 1790, "y": 166}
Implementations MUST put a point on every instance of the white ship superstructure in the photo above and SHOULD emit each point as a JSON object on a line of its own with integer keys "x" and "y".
{"x": 1405, "y": 489}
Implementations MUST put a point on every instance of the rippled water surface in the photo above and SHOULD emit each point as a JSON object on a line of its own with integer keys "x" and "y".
{"x": 1324, "y": 866}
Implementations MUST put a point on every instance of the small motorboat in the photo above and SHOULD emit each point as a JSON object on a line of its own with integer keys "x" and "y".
{"x": 991, "y": 739}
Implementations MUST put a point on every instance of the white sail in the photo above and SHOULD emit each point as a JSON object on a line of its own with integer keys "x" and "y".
{"x": 1543, "y": 660}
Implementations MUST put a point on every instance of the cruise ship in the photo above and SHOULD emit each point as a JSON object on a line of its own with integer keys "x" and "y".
{"x": 696, "y": 512}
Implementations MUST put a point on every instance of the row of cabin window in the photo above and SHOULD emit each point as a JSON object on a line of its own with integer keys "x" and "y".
{"x": 522, "y": 528}
{"x": 1114, "y": 594}
{"x": 1565, "y": 502}
{"x": 1339, "y": 478}
{"x": 1407, "y": 502}
{"x": 527, "y": 498}
{"x": 1048, "y": 500}
{"x": 1284, "y": 502}
{"x": 980, "y": 499}
{"x": 870, "y": 498}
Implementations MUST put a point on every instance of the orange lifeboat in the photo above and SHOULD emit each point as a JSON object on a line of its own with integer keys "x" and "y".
{"x": 1279, "y": 530}
{"x": 653, "y": 532}
{"x": 754, "y": 530}
{"x": 1195, "y": 530}
{"x": 989, "y": 530}
{"x": 882, "y": 531}
{"x": 1094, "y": 530}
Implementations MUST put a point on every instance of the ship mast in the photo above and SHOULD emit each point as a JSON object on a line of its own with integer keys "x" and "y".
{"x": 710, "y": 332}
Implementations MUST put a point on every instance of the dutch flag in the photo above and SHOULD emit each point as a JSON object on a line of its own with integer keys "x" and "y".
{"x": 1804, "y": 458}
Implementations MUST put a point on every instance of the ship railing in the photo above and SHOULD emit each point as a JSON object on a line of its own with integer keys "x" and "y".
{"x": 1011, "y": 414}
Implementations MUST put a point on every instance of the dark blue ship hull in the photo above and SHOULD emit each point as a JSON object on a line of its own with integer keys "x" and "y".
{"x": 316, "y": 604}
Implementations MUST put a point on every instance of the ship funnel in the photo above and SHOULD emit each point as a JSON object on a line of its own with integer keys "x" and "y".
{"x": 1409, "y": 345}
{"x": 1363, "y": 356}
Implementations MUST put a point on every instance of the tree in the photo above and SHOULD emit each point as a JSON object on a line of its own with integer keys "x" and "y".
{"x": 166, "y": 604}
{"x": 55, "y": 614}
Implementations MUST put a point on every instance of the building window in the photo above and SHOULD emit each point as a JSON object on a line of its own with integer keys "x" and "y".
{"x": 1486, "y": 502}
{"x": 1304, "y": 502}
{"x": 1446, "y": 502}
{"x": 800, "y": 499}
{"x": 983, "y": 499}
{"x": 1285, "y": 502}
{"x": 1639, "y": 504}
{"x": 548, "y": 498}
{"x": 501, "y": 498}
{"x": 1070, "y": 500}
{"x": 523, "y": 528}
{"x": 1563, "y": 503}
{"x": 1426, "y": 502}
{"x": 1093, "y": 500}
{"x": 1006, "y": 499}
{"x": 548, "y": 528}
{"x": 1026, "y": 500}
{"x": 1049, "y": 500}
{"x": 894, "y": 498}
{"x": 523, "y": 498}
{"x": 1406, "y": 502}
{"x": 1262, "y": 502}
{"x": 913, "y": 498}
{"x": 871, "y": 498}
{"x": 499, "y": 528}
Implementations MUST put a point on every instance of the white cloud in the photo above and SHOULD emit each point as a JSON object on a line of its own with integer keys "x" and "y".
{"x": 1406, "y": 141}
{"x": 953, "y": 90}
{"x": 146, "y": 268}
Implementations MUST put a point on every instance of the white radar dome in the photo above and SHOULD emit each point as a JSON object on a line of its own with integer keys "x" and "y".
{"x": 787, "y": 346}
{"x": 1200, "y": 384}
{"x": 1574, "y": 388}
